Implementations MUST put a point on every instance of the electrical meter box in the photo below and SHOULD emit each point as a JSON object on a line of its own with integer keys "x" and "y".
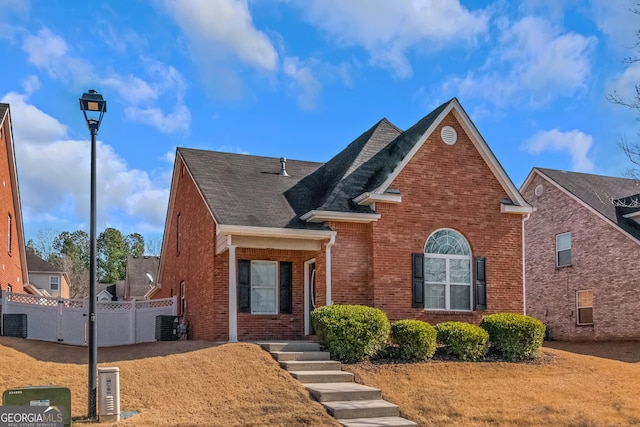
{"x": 40, "y": 396}
{"x": 109, "y": 394}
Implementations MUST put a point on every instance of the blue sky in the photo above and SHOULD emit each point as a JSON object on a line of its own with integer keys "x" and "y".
{"x": 300, "y": 79}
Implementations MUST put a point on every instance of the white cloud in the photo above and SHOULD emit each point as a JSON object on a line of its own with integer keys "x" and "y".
{"x": 53, "y": 171}
{"x": 176, "y": 121}
{"x": 223, "y": 28}
{"x": 574, "y": 143}
{"x": 388, "y": 29}
{"x": 170, "y": 157}
{"x": 303, "y": 82}
{"x": 615, "y": 19}
{"x": 164, "y": 85}
{"x": 534, "y": 63}
{"x": 624, "y": 84}
{"x": 31, "y": 84}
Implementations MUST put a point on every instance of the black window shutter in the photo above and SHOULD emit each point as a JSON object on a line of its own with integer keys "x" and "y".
{"x": 244, "y": 286}
{"x": 418, "y": 280}
{"x": 286, "y": 287}
{"x": 481, "y": 283}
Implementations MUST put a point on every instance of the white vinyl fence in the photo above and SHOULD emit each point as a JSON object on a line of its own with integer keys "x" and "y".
{"x": 65, "y": 320}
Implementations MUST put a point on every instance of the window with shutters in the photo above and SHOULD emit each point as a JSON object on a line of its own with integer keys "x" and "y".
{"x": 447, "y": 272}
{"x": 584, "y": 307}
{"x": 265, "y": 287}
{"x": 563, "y": 250}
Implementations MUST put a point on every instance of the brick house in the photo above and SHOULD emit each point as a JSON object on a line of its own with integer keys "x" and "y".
{"x": 423, "y": 224}
{"x": 582, "y": 245}
{"x": 13, "y": 262}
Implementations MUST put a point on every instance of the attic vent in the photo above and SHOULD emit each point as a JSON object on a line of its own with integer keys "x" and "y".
{"x": 449, "y": 135}
{"x": 283, "y": 166}
{"x": 538, "y": 190}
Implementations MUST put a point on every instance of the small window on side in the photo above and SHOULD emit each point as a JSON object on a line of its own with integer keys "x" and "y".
{"x": 584, "y": 307}
{"x": 563, "y": 250}
{"x": 54, "y": 283}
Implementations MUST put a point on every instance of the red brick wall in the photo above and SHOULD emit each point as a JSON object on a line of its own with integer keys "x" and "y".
{"x": 10, "y": 261}
{"x": 195, "y": 262}
{"x": 351, "y": 260}
{"x": 276, "y": 326}
{"x": 446, "y": 187}
{"x": 603, "y": 260}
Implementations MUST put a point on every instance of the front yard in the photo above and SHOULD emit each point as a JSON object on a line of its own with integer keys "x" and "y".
{"x": 192, "y": 383}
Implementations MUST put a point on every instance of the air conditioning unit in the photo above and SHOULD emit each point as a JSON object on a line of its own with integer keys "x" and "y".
{"x": 14, "y": 325}
{"x": 166, "y": 328}
{"x": 41, "y": 396}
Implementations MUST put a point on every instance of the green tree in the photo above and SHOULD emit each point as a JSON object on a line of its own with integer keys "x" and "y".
{"x": 113, "y": 249}
{"x": 74, "y": 245}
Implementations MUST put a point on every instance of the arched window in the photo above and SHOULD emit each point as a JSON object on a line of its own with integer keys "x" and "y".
{"x": 447, "y": 271}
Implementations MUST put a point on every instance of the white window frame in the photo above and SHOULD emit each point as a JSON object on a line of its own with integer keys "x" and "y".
{"x": 274, "y": 288}
{"x": 9, "y": 237}
{"x": 183, "y": 298}
{"x": 55, "y": 279}
{"x": 578, "y": 307}
{"x": 448, "y": 283}
{"x": 558, "y": 250}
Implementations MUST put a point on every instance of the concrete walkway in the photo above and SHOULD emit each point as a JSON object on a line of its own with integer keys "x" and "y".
{"x": 353, "y": 405}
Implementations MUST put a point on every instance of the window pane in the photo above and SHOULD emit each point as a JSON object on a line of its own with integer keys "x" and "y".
{"x": 460, "y": 297}
{"x": 263, "y": 300}
{"x": 460, "y": 270}
{"x": 447, "y": 242}
{"x": 435, "y": 270}
{"x": 563, "y": 241}
{"x": 564, "y": 257}
{"x": 434, "y": 296}
{"x": 585, "y": 315}
{"x": 263, "y": 274}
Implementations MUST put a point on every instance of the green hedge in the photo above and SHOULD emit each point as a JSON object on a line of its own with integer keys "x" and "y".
{"x": 413, "y": 340}
{"x": 516, "y": 336}
{"x": 463, "y": 340}
{"x": 351, "y": 333}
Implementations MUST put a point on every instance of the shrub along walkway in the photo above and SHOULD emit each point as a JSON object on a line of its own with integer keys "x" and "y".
{"x": 353, "y": 405}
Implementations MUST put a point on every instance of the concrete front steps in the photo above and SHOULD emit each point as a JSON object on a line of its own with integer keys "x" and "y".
{"x": 353, "y": 405}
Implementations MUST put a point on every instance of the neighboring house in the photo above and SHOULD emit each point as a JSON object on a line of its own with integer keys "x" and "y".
{"x": 141, "y": 278}
{"x": 13, "y": 272}
{"x": 423, "y": 224}
{"x": 106, "y": 292}
{"x": 45, "y": 276}
{"x": 582, "y": 250}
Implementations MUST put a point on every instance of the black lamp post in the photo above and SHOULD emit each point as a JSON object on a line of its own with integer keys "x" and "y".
{"x": 93, "y": 107}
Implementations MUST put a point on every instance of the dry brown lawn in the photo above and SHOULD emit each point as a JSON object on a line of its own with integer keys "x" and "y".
{"x": 568, "y": 386}
{"x": 180, "y": 383}
{"x": 193, "y": 383}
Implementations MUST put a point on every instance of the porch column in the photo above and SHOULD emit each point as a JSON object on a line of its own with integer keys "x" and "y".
{"x": 328, "y": 268}
{"x": 233, "y": 296}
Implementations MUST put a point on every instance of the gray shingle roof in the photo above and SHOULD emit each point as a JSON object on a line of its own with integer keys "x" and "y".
{"x": 248, "y": 190}
{"x": 600, "y": 192}
{"x": 3, "y": 110}
{"x": 37, "y": 264}
{"x": 136, "y": 281}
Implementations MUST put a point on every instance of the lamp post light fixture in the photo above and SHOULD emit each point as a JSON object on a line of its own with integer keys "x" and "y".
{"x": 93, "y": 106}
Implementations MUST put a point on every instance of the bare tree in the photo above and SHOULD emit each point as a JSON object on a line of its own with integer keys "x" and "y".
{"x": 153, "y": 247}
{"x": 78, "y": 276}
{"x": 631, "y": 150}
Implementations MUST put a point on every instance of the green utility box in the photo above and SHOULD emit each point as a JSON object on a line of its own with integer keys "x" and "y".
{"x": 40, "y": 396}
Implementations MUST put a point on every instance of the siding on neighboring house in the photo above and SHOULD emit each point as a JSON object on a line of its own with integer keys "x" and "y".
{"x": 603, "y": 260}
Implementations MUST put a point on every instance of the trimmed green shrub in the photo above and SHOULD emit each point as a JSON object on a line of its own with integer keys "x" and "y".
{"x": 463, "y": 340}
{"x": 351, "y": 333}
{"x": 516, "y": 336}
{"x": 414, "y": 340}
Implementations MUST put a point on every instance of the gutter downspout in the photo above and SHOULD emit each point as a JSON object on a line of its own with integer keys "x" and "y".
{"x": 524, "y": 280}
{"x": 233, "y": 295}
{"x": 328, "y": 246}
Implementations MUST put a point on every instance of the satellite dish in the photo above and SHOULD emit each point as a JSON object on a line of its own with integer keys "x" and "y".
{"x": 150, "y": 277}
